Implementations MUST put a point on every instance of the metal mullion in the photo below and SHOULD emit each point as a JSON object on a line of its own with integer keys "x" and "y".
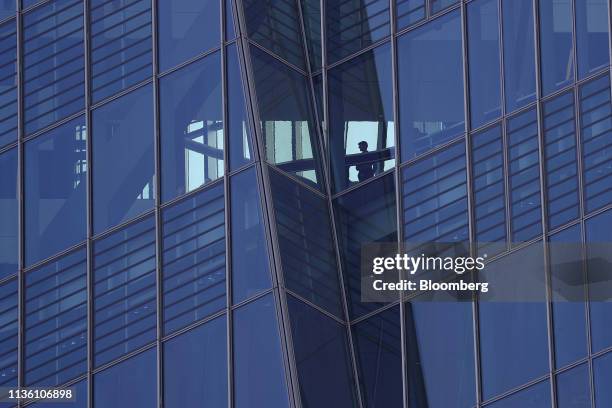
{"x": 20, "y": 206}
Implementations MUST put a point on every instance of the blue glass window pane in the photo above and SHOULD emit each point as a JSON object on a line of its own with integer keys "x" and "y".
{"x": 123, "y": 166}
{"x": 378, "y": 350}
{"x": 311, "y": 12}
{"x": 435, "y": 197}
{"x": 519, "y": 54}
{"x": 524, "y": 173}
{"x": 8, "y": 333}
{"x": 240, "y": 144}
{"x": 602, "y": 368}
{"x": 362, "y": 131}
{"x": 595, "y": 130}
{"x": 55, "y": 190}
{"x": 8, "y": 213}
{"x": 186, "y": 28}
{"x": 573, "y": 388}
{"x": 131, "y": 383}
{"x": 121, "y": 45}
{"x": 409, "y": 12}
{"x": 193, "y": 258}
{"x": 56, "y": 321}
{"x": 591, "y": 36}
{"x": 354, "y": 25}
{"x": 484, "y": 71}
{"x": 362, "y": 219}
{"x": 321, "y": 356}
{"x": 191, "y": 127}
{"x": 431, "y": 85}
{"x": 7, "y": 8}
{"x": 557, "y": 55}
{"x": 489, "y": 190}
{"x": 195, "y": 367}
{"x": 250, "y": 269}
{"x": 53, "y": 58}
{"x": 536, "y": 396}
{"x": 124, "y": 291}
{"x": 306, "y": 245}
{"x": 80, "y": 392}
{"x": 8, "y": 79}
{"x": 230, "y": 27}
{"x": 560, "y": 160}
{"x": 437, "y": 5}
{"x": 259, "y": 377}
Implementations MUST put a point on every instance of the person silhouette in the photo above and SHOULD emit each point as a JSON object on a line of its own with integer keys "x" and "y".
{"x": 365, "y": 170}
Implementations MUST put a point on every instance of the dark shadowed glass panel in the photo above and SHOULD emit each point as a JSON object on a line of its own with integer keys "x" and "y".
{"x": 317, "y": 82}
{"x": 573, "y": 388}
{"x": 286, "y": 115}
{"x": 311, "y": 11}
{"x": 186, "y": 28}
{"x": 322, "y": 358}
{"x": 121, "y": 45}
{"x": 8, "y": 333}
{"x": 513, "y": 320}
{"x": 7, "y": 8}
{"x": 365, "y": 215}
{"x": 240, "y": 140}
{"x": 193, "y": 258}
{"x": 353, "y": 25}
{"x": 536, "y": 396}
{"x": 124, "y": 291}
{"x": 409, "y": 12}
{"x": 56, "y": 321}
{"x": 8, "y": 213}
{"x": 80, "y": 391}
{"x": 8, "y": 78}
{"x": 556, "y": 48}
{"x": 123, "y": 167}
{"x": 602, "y": 368}
{"x": 524, "y": 176}
{"x": 569, "y": 309}
{"x": 591, "y": 36}
{"x": 306, "y": 245}
{"x": 250, "y": 269}
{"x": 195, "y": 367}
{"x": 378, "y": 350}
{"x": 596, "y": 131}
{"x": 437, "y": 5}
{"x": 483, "y": 50}
{"x": 431, "y": 85}
{"x": 53, "y": 64}
{"x": 259, "y": 377}
{"x": 55, "y": 190}
{"x": 560, "y": 160}
{"x": 191, "y": 127}
{"x": 131, "y": 383}
{"x": 362, "y": 131}
{"x": 519, "y": 54}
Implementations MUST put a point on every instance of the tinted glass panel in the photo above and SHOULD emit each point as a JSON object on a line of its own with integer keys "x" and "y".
{"x": 54, "y": 70}
{"x": 7, "y": 8}
{"x": 602, "y": 368}
{"x": 573, "y": 388}
{"x": 55, "y": 190}
{"x": 8, "y": 333}
{"x": 230, "y": 27}
{"x": 431, "y": 85}
{"x": 259, "y": 377}
{"x": 195, "y": 367}
{"x": 240, "y": 145}
{"x": 8, "y": 79}
{"x": 557, "y": 56}
{"x": 322, "y": 358}
{"x": 250, "y": 270}
{"x": 121, "y": 45}
{"x": 409, "y": 12}
{"x": 80, "y": 391}
{"x": 591, "y": 36}
{"x": 193, "y": 258}
{"x": 56, "y": 321}
{"x": 186, "y": 29}
{"x": 123, "y": 166}
{"x": 8, "y": 213}
{"x": 536, "y": 396}
{"x": 519, "y": 54}
{"x": 311, "y": 12}
{"x": 483, "y": 48}
{"x": 362, "y": 131}
{"x": 124, "y": 291}
{"x": 129, "y": 384}
{"x": 191, "y": 127}
{"x": 437, "y": 5}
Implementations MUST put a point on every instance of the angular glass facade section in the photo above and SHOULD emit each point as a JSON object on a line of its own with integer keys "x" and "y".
{"x": 431, "y": 85}
{"x": 557, "y": 53}
{"x": 592, "y": 35}
{"x": 9, "y": 213}
{"x": 8, "y": 333}
{"x": 56, "y": 321}
{"x": 55, "y": 190}
{"x": 123, "y": 166}
{"x": 409, "y": 12}
{"x": 573, "y": 388}
{"x": 8, "y": 81}
{"x": 311, "y": 12}
{"x": 193, "y": 257}
{"x": 186, "y": 28}
{"x": 535, "y": 396}
{"x": 191, "y": 122}
{"x": 53, "y": 63}
{"x": 124, "y": 291}
{"x": 239, "y": 130}
{"x": 361, "y": 125}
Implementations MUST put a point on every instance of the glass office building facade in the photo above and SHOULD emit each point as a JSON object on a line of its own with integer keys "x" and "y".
{"x": 153, "y": 257}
